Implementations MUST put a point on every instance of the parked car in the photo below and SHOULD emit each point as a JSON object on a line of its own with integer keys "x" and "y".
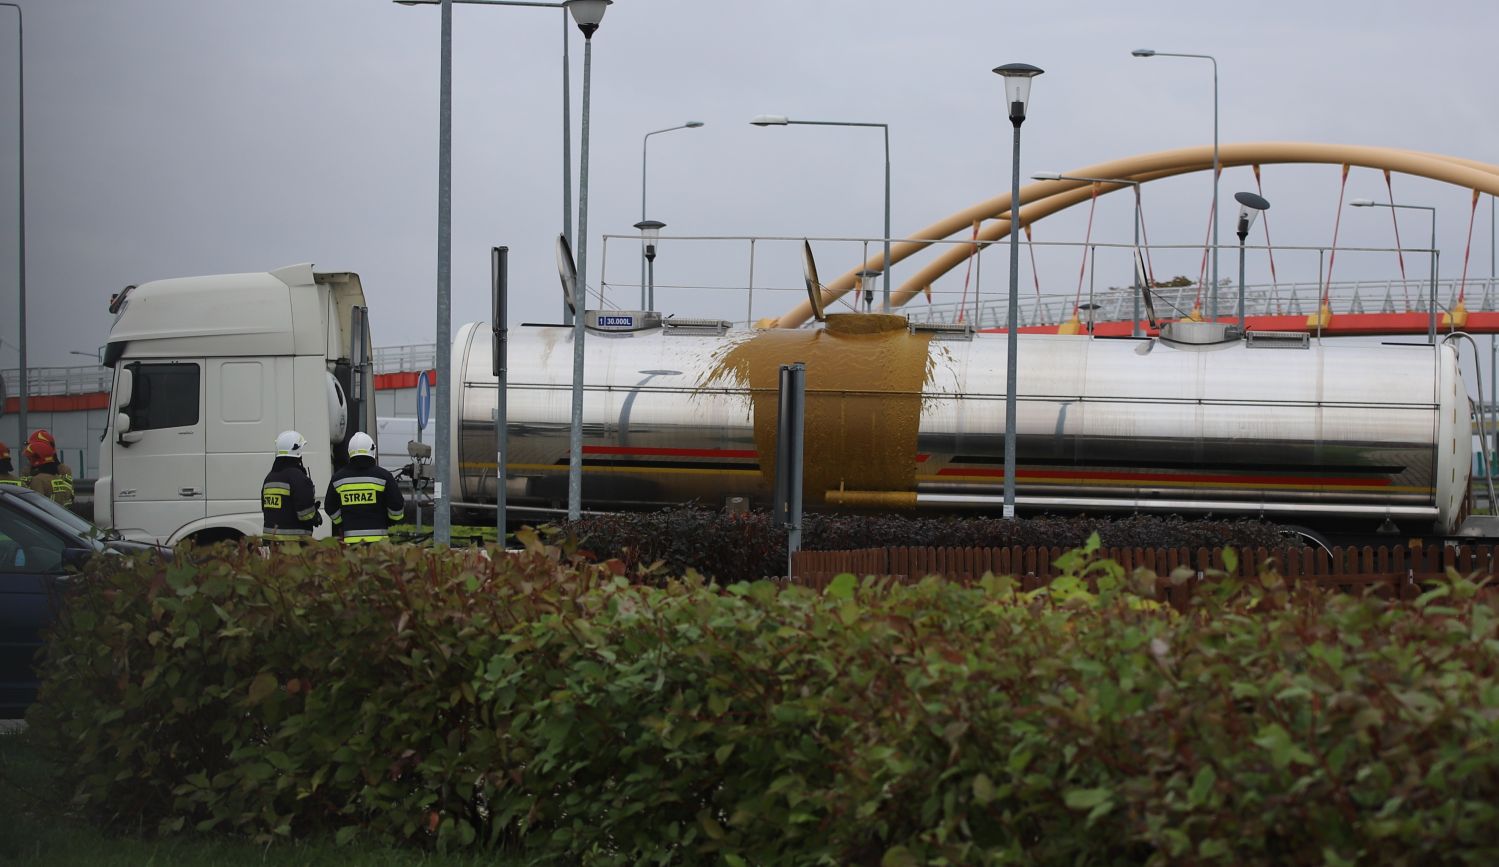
{"x": 40, "y": 542}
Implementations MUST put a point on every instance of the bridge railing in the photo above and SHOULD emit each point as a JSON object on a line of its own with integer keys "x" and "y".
{"x": 696, "y": 276}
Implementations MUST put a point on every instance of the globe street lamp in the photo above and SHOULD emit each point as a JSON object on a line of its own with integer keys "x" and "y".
{"x": 1250, "y": 205}
{"x": 650, "y": 233}
{"x": 644, "y": 144}
{"x": 1431, "y": 327}
{"x": 1134, "y": 327}
{"x": 567, "y": 136}
{"x": 588, "y": 14}
{"x": 782, "y": 120}
{"x": 21, "y": 419}
{"x": 1017, "y": 78}
{"x": 1147, "y": 52}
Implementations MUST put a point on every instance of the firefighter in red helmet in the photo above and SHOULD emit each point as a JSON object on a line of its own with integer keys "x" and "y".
{"x": 46, "y": 475}
{"x": 7, "y": 470}
{"x": 42, "y": 435}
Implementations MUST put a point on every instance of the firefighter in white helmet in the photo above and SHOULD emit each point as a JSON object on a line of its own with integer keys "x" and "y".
{"x": 288, "y": 498}
{"x": 363, "y": 499}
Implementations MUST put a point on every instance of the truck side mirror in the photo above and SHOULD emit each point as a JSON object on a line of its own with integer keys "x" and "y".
{"x": 123, "y": 432}
{"x": 124, "y": 387}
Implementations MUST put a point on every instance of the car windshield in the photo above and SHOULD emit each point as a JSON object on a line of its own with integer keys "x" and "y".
{"x": 58, "y": 515}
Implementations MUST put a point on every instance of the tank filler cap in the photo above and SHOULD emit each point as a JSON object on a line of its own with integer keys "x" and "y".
{"x": 614, "y": 321}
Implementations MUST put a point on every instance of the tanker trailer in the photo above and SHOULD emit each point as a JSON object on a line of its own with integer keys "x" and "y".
{"x": 905, "y": 416}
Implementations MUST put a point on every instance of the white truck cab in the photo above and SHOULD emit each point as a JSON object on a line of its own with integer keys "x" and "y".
{"x": 207, "y": 371}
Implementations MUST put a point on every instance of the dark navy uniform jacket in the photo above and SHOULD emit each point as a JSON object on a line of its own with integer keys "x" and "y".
{"x": 288, "y": 502}
{"x": 363, "y": 500}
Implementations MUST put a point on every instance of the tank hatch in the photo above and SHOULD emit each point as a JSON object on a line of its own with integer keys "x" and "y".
{"x": 1188, "y": 334}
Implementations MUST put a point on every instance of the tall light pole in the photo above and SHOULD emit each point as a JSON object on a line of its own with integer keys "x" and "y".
{"x": 1134, "y": 328}
{"x": 1250, "y": 205}
{"x": 567, "y": 135}
{"x": 782, "y": 120}
{"x": 25, "y": 386}
{"x": 1147, "y": 52}
{"x": 644, "y": 149}
{"x": 650, "y": 233}
{"x": 442, "y": 510}
{"x": 1017, "y": 78}
{"x": 1431, "y": 327}
{"x": 587, "y": 14}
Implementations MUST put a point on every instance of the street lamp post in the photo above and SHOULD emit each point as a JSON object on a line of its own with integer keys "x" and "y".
{"x": 567, "y": 136}
{"x": 650, "y": 233}
{"x": 1017, "y": 78}
{"x": 782, "y": 120}
{"x": 587, "y": 14}
{"x": 1431, "y": 327}
{"x": 1250, "y": 206}
{"x": 25, "y": 387}
{"x": 1147, "y": 52}
{"x": 1134, "y": 328}
{"x": 644, "y": 146}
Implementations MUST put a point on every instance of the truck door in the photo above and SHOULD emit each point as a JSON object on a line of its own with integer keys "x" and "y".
{"x": 159, "y": 464}
{"x": 241, "y": 419}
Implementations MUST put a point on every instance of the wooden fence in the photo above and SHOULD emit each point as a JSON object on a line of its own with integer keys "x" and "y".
{"x": 1396, "y": 573}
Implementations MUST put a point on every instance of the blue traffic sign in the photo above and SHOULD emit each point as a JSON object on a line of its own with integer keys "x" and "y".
{"x": 423, "y": 401}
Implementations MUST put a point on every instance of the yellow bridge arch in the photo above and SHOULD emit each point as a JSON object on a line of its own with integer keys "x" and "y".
{"x": 1043, "y": 198}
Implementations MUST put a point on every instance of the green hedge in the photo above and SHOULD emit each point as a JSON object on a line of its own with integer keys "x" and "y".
{"x": 730, "y": 548}
{"x": 561, "y": 713}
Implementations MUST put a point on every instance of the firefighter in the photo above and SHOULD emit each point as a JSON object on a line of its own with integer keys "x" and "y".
{"x": 46, "y": 475}
{"x": 288, "y": 498}
{"x": 7, "y": 471}
{"x": 363, "y": 499}
{"x": 42, "y": 435}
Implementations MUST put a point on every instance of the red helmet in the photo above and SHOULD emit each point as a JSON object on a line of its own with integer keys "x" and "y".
{"x": 40, "y": 452}
{"x": 42, "y": 435}
{"x": 4, "y": 452}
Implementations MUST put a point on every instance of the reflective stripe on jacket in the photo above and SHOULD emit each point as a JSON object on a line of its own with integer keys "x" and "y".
{"x": 288, "y": 500}
{"x": 45, "y": 480}
{"x": 363, "y": 500}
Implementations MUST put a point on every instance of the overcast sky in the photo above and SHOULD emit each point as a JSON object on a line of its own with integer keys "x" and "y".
{"x": 180, "y": 137}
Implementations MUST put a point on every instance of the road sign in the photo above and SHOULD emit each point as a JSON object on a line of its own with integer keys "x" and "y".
{"x": 423, "y": 401}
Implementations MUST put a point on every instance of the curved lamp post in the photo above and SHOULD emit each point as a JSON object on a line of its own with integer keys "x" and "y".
{"x": 1134, "y": 328}
{"x": 1017, "y": 78}
{"x": 1250, "y": 205}
{"x": 1431, "y": 327}
{"x": 782, "y": 120}
{"x": 644, "y": 145}
{"x": 1148, "y": 52}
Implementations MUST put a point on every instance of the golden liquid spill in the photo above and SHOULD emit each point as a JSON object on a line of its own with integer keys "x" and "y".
{"x": 865, "y": 375}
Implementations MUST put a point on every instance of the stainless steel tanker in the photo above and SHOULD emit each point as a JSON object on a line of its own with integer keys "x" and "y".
{"x": 904, "y": 416}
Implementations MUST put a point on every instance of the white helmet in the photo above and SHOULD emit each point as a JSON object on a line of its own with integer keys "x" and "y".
{"x": 289, "y": 444}
{"x": 361, "y": 444}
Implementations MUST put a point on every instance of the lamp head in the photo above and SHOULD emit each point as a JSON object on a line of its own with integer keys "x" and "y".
{"x": 1143, "y": 52}
{"x": 1250, "y": 206}
{"x": 693, "y": 124}
{"x": 1017, "y": 78}
{"x": 587, "y": 14}
{"x": 1363, "y": 203}
{"x": 650, "y": 233}
{"x": 1046, "y": 176}
{"x": 769, "y": 120}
